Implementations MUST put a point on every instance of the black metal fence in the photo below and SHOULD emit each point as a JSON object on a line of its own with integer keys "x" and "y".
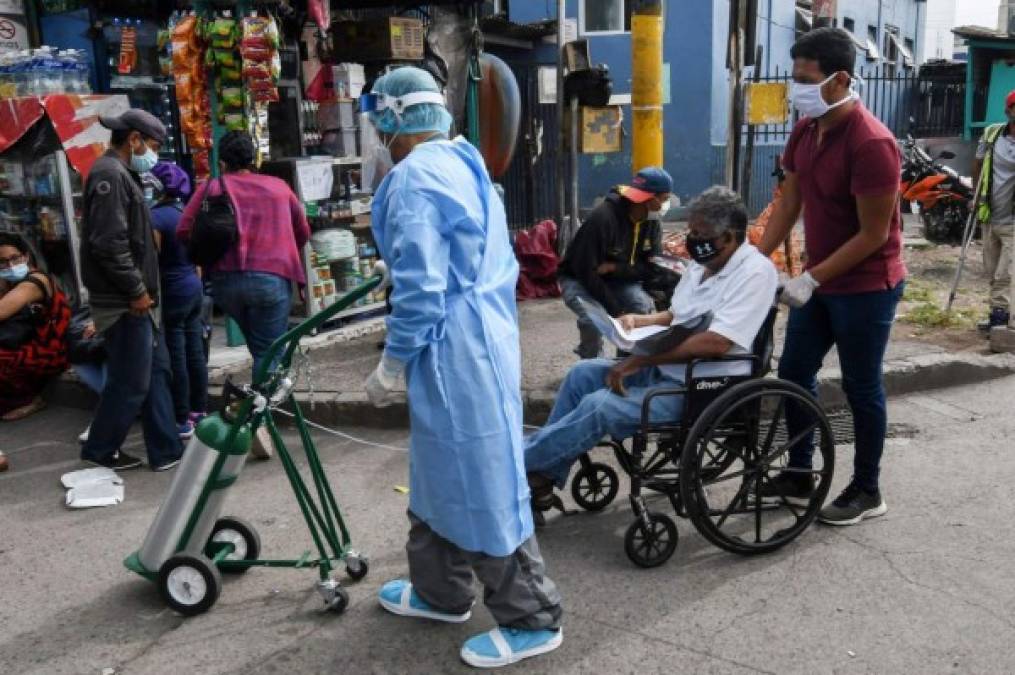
{"x": 905, "y": 101}
{"x": 929, "y": 103}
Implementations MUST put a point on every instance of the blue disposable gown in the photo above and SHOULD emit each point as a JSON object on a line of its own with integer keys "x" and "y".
{"x": 442, "y": 230}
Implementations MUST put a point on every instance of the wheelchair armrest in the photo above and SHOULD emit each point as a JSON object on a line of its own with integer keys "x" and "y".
{"x": 657, "y": 393}
{"x": 721, "y": 359}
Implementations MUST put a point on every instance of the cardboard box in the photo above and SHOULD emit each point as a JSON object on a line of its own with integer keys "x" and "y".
{"x": 392, "y": 37}
{"x": 349, "y": 80}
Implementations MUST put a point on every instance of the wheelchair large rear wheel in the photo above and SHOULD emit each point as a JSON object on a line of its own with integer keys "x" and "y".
{"x": 748, "y": 423}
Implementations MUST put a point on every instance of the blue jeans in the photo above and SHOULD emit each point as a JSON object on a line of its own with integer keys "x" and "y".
{"x": 137, "y": 381}
{"x": 258, "y": 302}
{"x": 586, "y": 410}
{"x": 632, "y": 298}
{"x": 92, "y": 375}
{"x": 181, "y": 319}
{"x": 859, "y": 325}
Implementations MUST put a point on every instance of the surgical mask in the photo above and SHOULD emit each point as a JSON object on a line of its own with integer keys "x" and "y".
{"x": 807, "y": 98}
{"x": 144, "y": 163}
{"x": 14, "y": 272}
{"x": 702, "y": 249}
{"x": 663, "y": 210}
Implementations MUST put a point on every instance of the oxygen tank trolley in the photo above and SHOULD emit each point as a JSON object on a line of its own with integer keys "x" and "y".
{"x": 190, "y": 545}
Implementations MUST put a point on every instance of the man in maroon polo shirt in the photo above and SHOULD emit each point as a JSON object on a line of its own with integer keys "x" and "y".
{"x": 842, "y": 169}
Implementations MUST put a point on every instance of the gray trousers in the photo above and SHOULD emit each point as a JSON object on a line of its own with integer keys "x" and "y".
{"x": 632, "y": 298}
{"x": 516, "y": 591}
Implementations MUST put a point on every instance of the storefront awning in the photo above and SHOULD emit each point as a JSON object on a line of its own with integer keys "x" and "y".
{"x": 74, "y": 118}
{"x": 907, "y": 56}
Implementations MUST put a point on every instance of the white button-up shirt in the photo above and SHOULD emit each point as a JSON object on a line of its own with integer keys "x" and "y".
{"x": 738, "y": 296}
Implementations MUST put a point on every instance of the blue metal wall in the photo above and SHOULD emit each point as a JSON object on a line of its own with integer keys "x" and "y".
{"x": 695, "y": 119}
{"x": 688, "y": 51}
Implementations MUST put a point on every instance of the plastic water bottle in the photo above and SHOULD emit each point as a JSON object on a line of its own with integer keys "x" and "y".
{"x": 82, "y": 73}
{"x": 19, "y": 73}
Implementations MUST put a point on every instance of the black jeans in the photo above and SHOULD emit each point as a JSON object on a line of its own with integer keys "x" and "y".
{"x": 138, "y": 381}
{"x": 182, "y": 322}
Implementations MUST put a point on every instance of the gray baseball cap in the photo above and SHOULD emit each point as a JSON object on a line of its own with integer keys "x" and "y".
{"x": 136, "y": 119}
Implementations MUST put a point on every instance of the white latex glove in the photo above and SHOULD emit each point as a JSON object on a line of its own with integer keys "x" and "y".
{"x": 798, "y": 290}
{"x": 381, "y": 270}
{"x": 381, "y": 383}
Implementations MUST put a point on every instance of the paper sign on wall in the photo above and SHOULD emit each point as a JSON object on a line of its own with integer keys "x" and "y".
{"x": 767, "y": 103}
{"x": 316, "y": 178}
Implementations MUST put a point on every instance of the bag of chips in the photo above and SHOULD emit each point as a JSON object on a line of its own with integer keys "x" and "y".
{"x": 231, "y": 97}
{"x": 221, "y": 32}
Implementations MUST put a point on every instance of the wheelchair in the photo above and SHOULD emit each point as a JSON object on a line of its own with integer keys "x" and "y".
{"x": 732, "y": 439}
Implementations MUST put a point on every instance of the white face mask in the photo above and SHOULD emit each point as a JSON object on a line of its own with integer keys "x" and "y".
{"x": 663, "y": 210}
{"x": 807, "y": 99}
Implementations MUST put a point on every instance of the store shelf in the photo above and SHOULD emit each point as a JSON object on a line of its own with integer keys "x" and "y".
{"x": 347, "y": 161}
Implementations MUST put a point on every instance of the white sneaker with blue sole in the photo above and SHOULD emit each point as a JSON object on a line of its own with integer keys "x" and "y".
{"x": 398, "y": 598}
{"x": 504, "y": 646}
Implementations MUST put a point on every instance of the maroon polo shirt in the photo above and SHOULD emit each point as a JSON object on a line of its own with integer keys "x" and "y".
{"x": 857, "y": 157}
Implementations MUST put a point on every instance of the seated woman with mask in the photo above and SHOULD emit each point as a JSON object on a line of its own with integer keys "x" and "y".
{"x": 34, "y": 317}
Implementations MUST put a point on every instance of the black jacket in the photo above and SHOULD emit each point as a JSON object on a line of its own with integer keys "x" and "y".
{"x": 119, "y": 261}
{"x": 608, "y": 235}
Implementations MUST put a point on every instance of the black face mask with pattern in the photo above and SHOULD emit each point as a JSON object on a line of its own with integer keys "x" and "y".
{"x": 703, "y": 249}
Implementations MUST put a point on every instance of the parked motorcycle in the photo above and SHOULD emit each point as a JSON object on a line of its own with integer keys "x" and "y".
{"x": 942, "y": 195}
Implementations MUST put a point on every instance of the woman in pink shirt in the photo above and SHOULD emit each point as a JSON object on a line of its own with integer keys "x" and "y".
{"x": 253, "y": 282}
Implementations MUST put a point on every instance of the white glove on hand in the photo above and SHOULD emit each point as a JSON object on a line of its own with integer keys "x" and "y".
{"x": 381, "y": 383}
{"x": 798, "y": 290}
{"x": 381, "y": 270}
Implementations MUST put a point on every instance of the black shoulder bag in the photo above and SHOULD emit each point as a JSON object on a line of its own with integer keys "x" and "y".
{"x": 215, "y": 230}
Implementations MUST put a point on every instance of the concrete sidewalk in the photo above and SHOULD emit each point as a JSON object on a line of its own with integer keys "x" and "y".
{"x": 548, "y": 336}
{"x": 342, "y": 360}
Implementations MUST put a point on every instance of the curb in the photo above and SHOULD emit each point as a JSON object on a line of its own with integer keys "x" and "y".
{"x": 352, "y": 409}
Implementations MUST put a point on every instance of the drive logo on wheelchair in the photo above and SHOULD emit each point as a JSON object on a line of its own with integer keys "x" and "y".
{"x": 713, "y": 384}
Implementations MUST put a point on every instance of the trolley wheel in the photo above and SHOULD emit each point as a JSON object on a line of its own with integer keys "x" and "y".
{"x": 356, "y": 567}
{"x": 339, "y": 602}
{"x": 748, "y": 422}
{"x": 189, "y": 583}
{"x": 242, "y": 535}
{"x": 654, "y": 546}
{"x": 595, "y": 486}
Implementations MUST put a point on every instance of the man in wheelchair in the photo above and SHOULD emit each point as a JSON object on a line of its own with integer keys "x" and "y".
{"x": 729, "y": 279}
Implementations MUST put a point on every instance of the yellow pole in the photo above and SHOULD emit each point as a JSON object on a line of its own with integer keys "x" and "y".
{"x": 647, "y": 84}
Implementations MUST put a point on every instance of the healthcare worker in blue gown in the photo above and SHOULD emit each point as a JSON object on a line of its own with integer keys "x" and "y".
{"x": 453, "y": 332}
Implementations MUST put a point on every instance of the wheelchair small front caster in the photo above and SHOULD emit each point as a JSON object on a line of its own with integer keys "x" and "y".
{"x": 654, "y": 545}
{"x": 595, "y": 486}
{"x": 356, "y": 566}
{"x": 336, "y": 598}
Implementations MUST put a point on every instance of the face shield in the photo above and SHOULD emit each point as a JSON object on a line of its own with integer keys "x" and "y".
{"x": 377, "y": 160}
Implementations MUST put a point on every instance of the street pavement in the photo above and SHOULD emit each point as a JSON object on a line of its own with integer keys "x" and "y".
{"x": 929, "y": 588}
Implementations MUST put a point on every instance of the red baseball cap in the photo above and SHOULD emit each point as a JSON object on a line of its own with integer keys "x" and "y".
{"x": 1010, "y": 101}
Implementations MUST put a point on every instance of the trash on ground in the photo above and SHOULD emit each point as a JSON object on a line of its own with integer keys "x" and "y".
{"x": 88, "y": 488}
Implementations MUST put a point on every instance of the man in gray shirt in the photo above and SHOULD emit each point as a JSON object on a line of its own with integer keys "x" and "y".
{"x": 996, "y": 155}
